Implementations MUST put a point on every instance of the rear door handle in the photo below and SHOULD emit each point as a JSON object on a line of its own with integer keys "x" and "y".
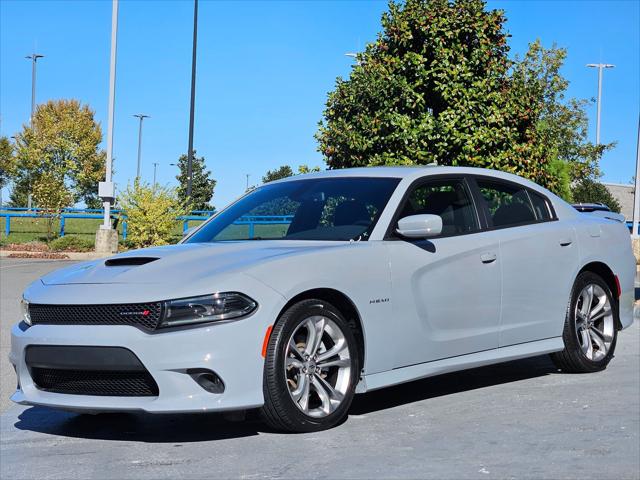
{"x": 488, "y": 257}
{"x": 566, "y": 242}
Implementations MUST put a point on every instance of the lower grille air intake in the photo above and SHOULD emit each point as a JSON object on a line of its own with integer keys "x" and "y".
{"x": 91, "y": 382}
{"x": 85, "y": 370}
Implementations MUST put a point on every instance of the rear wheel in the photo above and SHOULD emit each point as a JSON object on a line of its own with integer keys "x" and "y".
{"x": 590, "y": 332}
{"x": 311, "y": 368}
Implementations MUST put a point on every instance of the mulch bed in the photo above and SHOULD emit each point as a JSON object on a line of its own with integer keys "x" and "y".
{"x": 26, "y": 247}
{"x": 45, "y": 255}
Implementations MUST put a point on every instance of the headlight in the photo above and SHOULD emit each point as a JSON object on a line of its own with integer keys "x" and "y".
{"x": 208, "y": 308}
{"x": 24, "y": 306}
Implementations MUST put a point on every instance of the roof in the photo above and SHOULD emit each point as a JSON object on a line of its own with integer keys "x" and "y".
{"x": 403, "y": 172}
{"x": 624, "y": 195}
{"x": 410, "y": 173}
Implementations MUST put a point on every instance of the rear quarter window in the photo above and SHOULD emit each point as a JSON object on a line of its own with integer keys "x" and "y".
{"x": 540, "y": 206}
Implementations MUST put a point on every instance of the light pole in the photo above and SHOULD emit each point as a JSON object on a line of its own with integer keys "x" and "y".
{"x": 34, "y": 59}
{"x": 600, "y": 67}
{"x": 108, "y": 185}
{"x": 193, "y": 100}
{"x": 248, "y": 175}
{"x": 141, "y": 116}
{"x": 155, "y": 167}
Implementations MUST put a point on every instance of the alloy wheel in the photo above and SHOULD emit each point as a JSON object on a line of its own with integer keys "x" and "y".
{"x": 594, "y": 322}
{"x": 317, "y": 366}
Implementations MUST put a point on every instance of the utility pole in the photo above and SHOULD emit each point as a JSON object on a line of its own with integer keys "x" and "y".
{"x": 155, "y": 166}
{"x": 141, "y": 116}
{"x": 193, "y": 100}
{"x": 34, "y": 60}
{"x": 636, "y": 193}
{"x": 600, "y": 67}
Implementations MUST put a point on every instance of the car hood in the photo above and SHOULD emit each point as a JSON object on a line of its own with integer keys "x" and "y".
{"x": 181, "y": 263}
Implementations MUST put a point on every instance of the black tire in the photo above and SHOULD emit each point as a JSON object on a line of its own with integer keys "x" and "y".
{"x": 280, "y": 411}
{"x": 572, "y": 359}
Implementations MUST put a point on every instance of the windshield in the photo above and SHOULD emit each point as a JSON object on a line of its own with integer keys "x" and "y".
{"x": 312, "y": 209}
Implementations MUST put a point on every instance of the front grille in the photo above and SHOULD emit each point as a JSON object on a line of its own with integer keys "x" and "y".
{"x": 91, "y": 382}
{"x": 145, "y": 316}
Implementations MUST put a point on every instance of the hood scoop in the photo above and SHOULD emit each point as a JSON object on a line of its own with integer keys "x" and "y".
{"x": 129, "y": 261}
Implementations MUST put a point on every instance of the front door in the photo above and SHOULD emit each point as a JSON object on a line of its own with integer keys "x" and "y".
{"x": 446, "y": 290}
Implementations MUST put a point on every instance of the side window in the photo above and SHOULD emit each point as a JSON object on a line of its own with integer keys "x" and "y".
{"x": 508, "y": 204}
{"x": 447, "y": 198}
{"x": 540, "y": 206}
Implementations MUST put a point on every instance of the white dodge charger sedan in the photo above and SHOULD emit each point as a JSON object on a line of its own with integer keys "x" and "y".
{"x": 311, "y": 289}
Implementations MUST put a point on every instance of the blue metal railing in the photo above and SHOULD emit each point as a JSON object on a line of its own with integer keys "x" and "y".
{"x": 251, "y": 221}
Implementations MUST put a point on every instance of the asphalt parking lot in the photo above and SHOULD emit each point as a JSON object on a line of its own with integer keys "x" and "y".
{"x": 521, "y": 419}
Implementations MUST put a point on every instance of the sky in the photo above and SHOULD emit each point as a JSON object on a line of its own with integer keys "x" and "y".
{"x": 263, "y": 73}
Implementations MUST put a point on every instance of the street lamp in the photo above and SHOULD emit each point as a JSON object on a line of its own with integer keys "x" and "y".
{"x": 34, "y": 59}
{"x": 600, "y": 67}
{"x": 354, "y": 56}
{"x": 141, "y": 116}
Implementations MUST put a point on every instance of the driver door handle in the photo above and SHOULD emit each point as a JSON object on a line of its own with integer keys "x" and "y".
{"x": 488, "y": 257}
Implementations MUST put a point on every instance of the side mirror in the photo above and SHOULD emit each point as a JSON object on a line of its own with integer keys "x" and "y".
{"x": 420, "y": 226}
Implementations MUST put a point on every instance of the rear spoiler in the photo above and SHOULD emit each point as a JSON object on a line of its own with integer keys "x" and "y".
{"x": 618, "y": 217}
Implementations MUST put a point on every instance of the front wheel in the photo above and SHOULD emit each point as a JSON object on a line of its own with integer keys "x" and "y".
{"x": 590, "y": 332}
{"x": 311, "y": 368}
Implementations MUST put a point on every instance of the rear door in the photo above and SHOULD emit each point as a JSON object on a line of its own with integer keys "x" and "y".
{"x": 445, "y": 290}
{"x": 538, "y": 254}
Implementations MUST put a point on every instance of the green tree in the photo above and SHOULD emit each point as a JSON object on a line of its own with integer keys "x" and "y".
{"x": 437, "y": 86}
{"x": 62, "y": 143}
{"x": 286, "y": 171}
{"x": 50, "y": 194}
{"x": 202, "y": 185}
{"x": 302, "y": 169}
{"x": 282, "y": 172}
{"x": 151, "y": 214}
{"x": 7, "y": 161}
{"x": 560, "y": 125}
{"x": 592, "y": 191}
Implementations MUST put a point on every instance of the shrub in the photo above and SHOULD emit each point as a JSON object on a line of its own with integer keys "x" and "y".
{"x": 71, "y": 243}
{"x": 591, "y": 191}
{"x": 151, "y": 214}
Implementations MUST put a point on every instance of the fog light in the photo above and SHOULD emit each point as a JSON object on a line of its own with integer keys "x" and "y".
{"x": 207, "y": 379}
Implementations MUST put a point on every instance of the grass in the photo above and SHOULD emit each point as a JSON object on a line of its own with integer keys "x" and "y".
{"x": 25, "y": 230}
{"x": 242, "y": 231}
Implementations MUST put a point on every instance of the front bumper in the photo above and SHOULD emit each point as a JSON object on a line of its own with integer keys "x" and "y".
{"x": 231, "y": 350}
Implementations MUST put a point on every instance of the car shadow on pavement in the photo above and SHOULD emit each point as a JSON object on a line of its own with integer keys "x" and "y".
{"x": 186, "y": 428}
{"x": 136, "y": 426}
{"x": 452, "y": 383}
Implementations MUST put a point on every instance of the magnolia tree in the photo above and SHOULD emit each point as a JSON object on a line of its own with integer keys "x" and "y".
{"x": 438, "y": 86}
{"x": 151, "y": 214}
